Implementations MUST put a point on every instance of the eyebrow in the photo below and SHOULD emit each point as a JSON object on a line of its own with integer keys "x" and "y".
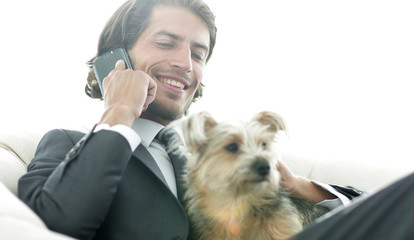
{"x": 178, "y": 37}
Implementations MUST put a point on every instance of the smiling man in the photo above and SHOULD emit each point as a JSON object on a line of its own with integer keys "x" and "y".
{"x": 117, "y": 182}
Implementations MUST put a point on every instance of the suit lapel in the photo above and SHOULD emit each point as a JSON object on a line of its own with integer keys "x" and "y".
{"x": 178, "y": 161}
{"x": 145, "y": 157}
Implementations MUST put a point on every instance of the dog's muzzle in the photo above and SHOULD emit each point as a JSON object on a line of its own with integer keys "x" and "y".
{"x": 261, "y": 167}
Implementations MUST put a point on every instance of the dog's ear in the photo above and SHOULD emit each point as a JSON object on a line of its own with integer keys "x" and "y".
{"x": 274, "y": 122}
{"x": 195, "y": 129}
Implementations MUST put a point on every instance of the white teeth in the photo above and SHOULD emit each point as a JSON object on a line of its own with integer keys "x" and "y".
{"x": 172, "y": 82}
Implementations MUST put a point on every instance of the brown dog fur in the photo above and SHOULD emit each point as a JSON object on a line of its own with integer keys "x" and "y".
{"x": 232, "y": 182}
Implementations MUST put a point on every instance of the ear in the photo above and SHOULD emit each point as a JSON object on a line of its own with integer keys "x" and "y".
{"x": 274, "y": 122}
{"x": 195, "y": 129}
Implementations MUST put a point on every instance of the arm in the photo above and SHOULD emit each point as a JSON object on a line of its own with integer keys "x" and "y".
{"x": 73, "y": 195}
{"x": 71, "y": 186}
{"x": 312, "y": 191}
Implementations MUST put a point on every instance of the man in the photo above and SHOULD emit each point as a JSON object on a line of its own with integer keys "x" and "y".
{"x": 105, "y": 186}
{"x": 117, "y": 182}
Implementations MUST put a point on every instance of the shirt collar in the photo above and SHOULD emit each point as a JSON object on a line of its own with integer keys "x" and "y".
{"x": 146, "y": 129}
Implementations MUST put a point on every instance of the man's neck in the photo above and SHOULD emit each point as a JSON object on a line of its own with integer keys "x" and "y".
{"x": 149, "y": 116}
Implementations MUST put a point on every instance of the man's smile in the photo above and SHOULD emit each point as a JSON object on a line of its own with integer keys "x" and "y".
{"x": 176, "y": 82}
{"x": 172, "y": 82}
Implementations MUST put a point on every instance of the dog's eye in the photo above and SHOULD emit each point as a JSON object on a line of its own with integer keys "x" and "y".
{"x": 263, "y": 145}
{"x": 233, "y": 147}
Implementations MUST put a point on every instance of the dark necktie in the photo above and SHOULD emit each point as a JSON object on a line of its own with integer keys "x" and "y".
{"x": 172, "y": 141}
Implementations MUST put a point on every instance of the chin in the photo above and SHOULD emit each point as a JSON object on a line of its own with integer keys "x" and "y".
{"x": 167, "y": 113}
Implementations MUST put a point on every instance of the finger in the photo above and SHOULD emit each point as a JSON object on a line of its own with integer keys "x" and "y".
{"x": 151, "y": 93}
{"x": 281, "y": 165}
{"x": 284, "y": 170}
{"x": 105, "y": 82}
{"x": 120, "y": 65}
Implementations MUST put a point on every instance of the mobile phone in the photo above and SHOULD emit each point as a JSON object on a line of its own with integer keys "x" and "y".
{"x": 105, "y": 63}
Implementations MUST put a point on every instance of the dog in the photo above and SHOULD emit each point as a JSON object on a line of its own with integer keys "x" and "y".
{"x": 232, "y": 182}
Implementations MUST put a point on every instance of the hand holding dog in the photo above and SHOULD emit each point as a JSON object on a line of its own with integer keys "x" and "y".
{"x": 301, "y": 187}
{"x": 127, "y": 94}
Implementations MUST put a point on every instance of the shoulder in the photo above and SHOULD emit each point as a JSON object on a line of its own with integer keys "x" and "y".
{"x": 58, "y": 142}
{"x": 64, "y": 134}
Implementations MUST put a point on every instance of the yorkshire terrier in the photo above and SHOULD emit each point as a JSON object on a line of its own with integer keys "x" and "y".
{"x": 232, "y": 181}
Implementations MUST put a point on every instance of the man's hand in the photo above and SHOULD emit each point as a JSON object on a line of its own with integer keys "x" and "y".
{"x": 301, "y": 187}
{"x": 127, "y": 93}
{"x": 288, "y": 180}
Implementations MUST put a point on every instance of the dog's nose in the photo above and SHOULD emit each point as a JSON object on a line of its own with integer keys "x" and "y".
{"x": 262, "y": 167}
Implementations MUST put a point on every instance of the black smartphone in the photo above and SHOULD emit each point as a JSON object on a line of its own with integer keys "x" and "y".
{"x": 105, "y": 63}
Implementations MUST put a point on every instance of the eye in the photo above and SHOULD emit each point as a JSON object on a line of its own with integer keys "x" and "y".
{"x": 165, "y": 45}
{"x": 233, "y": 147}
{"x": 198, "y": 57}
{"x": 263, "y": 145}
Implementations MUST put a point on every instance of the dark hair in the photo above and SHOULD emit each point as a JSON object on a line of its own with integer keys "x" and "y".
{"x": 130, "y": 20}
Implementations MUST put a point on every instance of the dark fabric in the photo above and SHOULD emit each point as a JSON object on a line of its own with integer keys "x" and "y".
{"x": 94, "y": 187}
{"x": 385, "y": 215}
{"x": 170, "y": 138}
{"x": 347, "y": 191}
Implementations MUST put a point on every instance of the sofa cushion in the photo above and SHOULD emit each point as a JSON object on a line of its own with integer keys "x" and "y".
{"x": 11, "y": 168}
{"x": 19, "y": 222}
{"x": 17, "y": 149}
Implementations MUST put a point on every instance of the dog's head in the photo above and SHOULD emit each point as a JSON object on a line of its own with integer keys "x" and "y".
{"x": 228, "y": 157}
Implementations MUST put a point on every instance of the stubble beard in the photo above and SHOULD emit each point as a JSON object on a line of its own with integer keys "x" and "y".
{"x": 166, "y": 113}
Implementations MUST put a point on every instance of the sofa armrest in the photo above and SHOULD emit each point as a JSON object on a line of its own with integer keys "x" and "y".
{"x": 17, "y": 148}
{"x": 11, "y": 169}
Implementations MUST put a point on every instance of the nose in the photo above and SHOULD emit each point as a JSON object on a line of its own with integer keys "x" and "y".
{"x": 182, "y": 60}
{"x": 261, "y": 167}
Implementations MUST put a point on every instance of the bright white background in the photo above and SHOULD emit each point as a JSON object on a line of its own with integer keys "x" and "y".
{"x": 341, "y": 73}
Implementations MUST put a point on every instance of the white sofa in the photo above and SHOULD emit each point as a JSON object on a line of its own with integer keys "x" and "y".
{"x": 17, "y": 148}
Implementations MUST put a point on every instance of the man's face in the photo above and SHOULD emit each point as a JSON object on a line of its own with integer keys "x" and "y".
{"x": 173, "y": 51}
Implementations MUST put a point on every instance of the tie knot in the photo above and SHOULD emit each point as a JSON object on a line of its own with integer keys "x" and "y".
{"x": 159, "y": 138}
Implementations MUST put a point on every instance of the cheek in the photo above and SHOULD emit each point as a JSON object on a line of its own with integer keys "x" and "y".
{"x": 136, "y": 61}
{"x": 145, "y": 59}
{"x": 218, "y": 170}
{"x": 209, "y": 172}
{"x": 196, "y": 88}
{"x": 198, "y": 73}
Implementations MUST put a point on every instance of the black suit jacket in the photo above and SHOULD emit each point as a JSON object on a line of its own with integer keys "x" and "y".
{"x": 93, "y": 187}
